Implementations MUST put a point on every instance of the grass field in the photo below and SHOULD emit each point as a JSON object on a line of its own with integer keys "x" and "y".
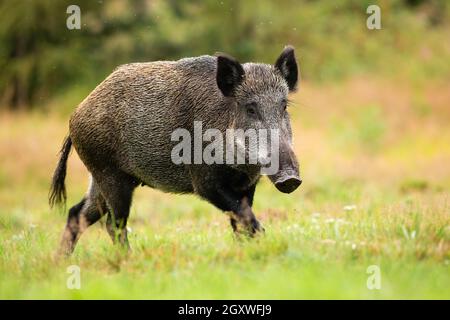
{"x": 375, "y": 160}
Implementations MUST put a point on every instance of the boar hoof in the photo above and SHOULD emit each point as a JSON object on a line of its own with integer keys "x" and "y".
{"x": 256, "y": 227}
{"x": 250, "y": 229}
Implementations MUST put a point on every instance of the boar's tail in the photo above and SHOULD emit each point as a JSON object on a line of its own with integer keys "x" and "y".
{"x": 58, "y": 188}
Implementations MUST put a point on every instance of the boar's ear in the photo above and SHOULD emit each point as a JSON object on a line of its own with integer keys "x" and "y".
{"x": 287, "y": 65}
{"x": 230, "y": 74}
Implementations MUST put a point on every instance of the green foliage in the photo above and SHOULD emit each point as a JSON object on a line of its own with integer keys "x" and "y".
{"x": 41, "y": 58}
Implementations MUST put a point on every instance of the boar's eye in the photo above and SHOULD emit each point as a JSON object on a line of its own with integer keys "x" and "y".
{"x": 251, "y": 109}
{"x": 284, "y": 104}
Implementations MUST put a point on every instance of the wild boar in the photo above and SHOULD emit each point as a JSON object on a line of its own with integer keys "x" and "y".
{"x": 123, "y": 133}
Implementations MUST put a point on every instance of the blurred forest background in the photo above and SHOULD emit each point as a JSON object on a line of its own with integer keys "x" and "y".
{"x": 41, "y": 60}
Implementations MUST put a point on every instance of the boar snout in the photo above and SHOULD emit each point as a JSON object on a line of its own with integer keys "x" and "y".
{"x": 286, "y": 182}
{"x": 287, "y": 179}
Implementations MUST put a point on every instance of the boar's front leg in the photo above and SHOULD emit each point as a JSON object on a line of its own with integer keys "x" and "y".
{"x": 238, "y": 204}
{"x": 244, "y": 218}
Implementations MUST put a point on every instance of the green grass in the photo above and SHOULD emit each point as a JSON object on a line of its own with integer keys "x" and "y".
{"x": 185, "y": 249}
{"x": 380, "y": 198}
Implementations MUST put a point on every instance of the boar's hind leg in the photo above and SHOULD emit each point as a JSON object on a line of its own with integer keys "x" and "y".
{"x": 117, "y": 188}
{"x": 88, "y": 211}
